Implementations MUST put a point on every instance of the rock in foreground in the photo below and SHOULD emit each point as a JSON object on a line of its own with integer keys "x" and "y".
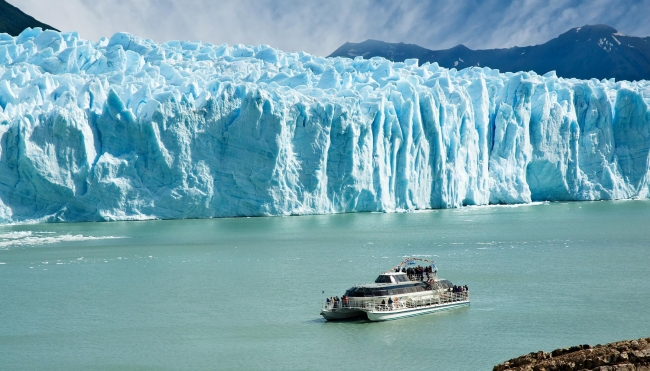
{"x": 628, "y": 355}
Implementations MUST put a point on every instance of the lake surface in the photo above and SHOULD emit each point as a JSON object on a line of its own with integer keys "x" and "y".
{"x": 234, "y": 294}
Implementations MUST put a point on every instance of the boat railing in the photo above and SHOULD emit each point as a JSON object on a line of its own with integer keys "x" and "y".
{"x": 372, "y": 304}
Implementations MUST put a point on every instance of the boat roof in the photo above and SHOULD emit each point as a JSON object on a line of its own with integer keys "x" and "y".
{"x": 384, "y": 285}
{"x": 398, "y": 283}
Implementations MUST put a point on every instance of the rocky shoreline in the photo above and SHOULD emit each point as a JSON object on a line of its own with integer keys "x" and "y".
{"x": 628, "y": 355}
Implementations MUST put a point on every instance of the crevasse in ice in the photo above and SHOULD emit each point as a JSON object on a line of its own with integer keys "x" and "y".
{"x": 126, "y": 128}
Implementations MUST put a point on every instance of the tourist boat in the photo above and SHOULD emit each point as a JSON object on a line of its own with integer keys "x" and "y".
{"x": 398, "y": 294}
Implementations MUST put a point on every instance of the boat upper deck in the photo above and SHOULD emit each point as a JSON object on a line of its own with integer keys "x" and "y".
{"x": 397, "y": 283}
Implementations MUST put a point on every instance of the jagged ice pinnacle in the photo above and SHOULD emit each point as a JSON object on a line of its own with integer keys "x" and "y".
{"x": 126, "y": 128}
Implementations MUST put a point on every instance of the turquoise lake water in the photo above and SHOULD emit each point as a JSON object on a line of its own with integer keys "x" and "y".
{"x": 245, "y": 294}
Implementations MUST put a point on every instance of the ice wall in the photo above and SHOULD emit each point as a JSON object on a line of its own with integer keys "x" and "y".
{"x": 129, "y": 129}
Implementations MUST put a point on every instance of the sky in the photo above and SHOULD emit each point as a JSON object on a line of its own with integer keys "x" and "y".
{"x": 320, "y": 27}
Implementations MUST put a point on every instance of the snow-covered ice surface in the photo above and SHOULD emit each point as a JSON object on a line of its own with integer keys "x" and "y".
{"x": 126, "y": 128}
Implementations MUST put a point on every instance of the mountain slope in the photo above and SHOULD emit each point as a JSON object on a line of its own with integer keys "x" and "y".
{"x": 587, "y": 52}
{"x": 13, "y": 21}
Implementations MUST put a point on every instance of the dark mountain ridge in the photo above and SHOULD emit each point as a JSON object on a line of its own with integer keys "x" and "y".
{"x": 592, "y": 51}
{"x": 13, "y": 21}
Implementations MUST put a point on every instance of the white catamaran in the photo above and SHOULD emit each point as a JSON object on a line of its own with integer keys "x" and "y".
{"x": 400, "y": 292}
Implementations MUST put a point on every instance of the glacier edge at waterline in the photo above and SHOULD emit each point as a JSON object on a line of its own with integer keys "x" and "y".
{"x": 126, "y": 129}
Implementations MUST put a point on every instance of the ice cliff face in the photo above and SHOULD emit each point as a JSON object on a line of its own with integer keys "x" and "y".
{"x": 129, "y": 129}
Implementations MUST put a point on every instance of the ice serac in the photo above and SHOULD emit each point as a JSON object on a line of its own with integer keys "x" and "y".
{"x": 127, "y": 128}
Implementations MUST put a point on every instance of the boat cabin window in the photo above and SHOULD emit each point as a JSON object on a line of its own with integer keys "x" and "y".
{"x": 445, "y": 284}
{"x": 384, "y": 278}
{"x": 401, "y": 278}
{"x": 361, "y": 292}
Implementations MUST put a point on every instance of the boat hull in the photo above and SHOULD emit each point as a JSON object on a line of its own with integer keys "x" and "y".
{"x": 381, "y": 315}
{"x": 339, "y": 314}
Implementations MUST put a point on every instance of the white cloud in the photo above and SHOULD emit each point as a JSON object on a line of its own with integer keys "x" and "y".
{"x": 320, "y": 26}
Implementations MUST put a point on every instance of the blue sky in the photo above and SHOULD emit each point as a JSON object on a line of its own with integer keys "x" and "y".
{"x": 320, "y": 26}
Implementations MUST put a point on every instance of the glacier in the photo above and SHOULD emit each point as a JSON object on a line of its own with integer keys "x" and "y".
{"x": 130, "y": 129}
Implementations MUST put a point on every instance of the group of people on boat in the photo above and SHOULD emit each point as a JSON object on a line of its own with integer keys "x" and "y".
{"x": 458, "y": 289}
{"x": 390, "y": 304}
{"x": 336, "y": 302}
{"x": 418, "y": 273}
{"x": 457, "y": 293}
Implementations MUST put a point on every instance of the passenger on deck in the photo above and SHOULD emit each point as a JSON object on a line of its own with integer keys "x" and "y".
{"x": 390, "y": 303}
